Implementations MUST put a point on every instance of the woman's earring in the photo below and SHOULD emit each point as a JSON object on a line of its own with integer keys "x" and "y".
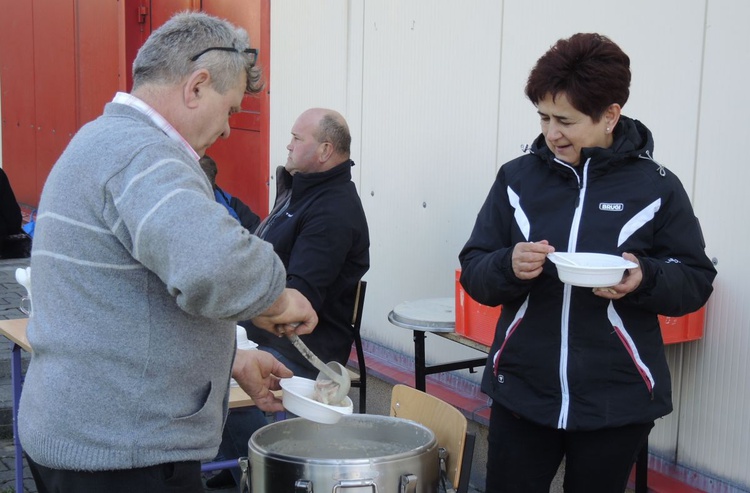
{"x": 607, "y": 129}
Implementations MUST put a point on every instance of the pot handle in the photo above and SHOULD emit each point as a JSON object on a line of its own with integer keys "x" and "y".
{"x": 355, "y": 483}
{"x": 303, "y": 486}
{"x": 408, "y": 483}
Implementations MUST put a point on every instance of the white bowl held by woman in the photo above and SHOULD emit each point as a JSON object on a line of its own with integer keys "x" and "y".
{"x": 590, "y": 270}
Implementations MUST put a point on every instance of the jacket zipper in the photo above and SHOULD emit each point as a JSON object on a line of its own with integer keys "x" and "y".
{"x": 562, "y": 421}
{"x": 264, "y": 226}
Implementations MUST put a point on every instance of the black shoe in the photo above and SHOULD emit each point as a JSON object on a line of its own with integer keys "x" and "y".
{"x": 222, "y": 480}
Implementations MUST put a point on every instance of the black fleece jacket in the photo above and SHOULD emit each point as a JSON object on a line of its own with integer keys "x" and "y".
{"x": 563, "y": 357}
{"x": 323, "y": 239}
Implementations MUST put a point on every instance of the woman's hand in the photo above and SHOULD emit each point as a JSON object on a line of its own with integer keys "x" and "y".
{"x": 528, "y": 258}
{"x": 630, "y": 281}
{"x": 258, "y": 373}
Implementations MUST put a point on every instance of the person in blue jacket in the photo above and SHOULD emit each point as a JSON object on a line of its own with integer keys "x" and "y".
{"x": 573, "y": 372}
{"x": 236, "y": 208}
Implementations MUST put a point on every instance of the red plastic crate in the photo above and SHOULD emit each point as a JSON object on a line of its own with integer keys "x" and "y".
{"x": 682, "y": 329}
{"x": 477, "y": 322}
{"x": 473, "y": 320}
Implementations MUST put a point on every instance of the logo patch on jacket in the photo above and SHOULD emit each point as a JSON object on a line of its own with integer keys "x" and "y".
{"x": 611, "y": 206}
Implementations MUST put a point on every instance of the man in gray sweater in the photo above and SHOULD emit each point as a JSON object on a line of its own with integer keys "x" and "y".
{"x": 140, "y": 277}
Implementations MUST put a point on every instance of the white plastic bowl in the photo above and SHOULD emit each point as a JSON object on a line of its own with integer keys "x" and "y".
{"x": 242, "y": 343}
{"x": 592, "y": 270}
{"x": 298, "y": 399}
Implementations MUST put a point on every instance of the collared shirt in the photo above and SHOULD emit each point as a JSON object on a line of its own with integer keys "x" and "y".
{"x": 159, "y": 121}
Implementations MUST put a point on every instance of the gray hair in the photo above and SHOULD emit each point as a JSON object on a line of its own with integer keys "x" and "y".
{"x": 165, "y": 57}
{"x": 336, "y": 132}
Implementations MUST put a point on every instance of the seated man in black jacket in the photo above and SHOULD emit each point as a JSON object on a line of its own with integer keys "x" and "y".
{"x": 318, "y": 228}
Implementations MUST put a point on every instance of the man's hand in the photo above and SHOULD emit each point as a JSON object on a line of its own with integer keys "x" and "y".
{"x": 291, "y": 312}
{"x": 528, "y": 258}
{"x": 258, "y": 373}
{"x": 629, "y": 283}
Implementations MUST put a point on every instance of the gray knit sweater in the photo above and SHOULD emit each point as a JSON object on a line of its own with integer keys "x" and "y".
{"x": 139, "y": 277}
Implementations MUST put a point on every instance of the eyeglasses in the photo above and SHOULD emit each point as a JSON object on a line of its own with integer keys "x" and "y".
{"x": 249, "y": 51}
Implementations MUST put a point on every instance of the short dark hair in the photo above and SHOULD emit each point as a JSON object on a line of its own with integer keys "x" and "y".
{"x": 336, "y": 132}
{"x": 209, "y": 167}
{"x": 590, "y": 69}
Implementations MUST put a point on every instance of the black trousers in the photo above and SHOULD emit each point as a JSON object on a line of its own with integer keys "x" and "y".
{"x": 175, "y": 477}
{"x": 524, "y": 457}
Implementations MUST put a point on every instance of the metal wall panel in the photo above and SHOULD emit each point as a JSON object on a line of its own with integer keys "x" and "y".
{"x": 430, "y": 111}
{"x": 309, "y": 53}
{"x": 309, "y": 44}
{"x": 714, "y": 436}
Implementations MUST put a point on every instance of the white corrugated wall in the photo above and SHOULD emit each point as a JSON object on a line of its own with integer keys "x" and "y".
{"x": 714, "y": 412}
{"x": 433, "y": 92}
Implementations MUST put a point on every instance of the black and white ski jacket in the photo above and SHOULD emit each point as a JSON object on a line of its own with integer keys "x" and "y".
{"x": 563, "y": 357}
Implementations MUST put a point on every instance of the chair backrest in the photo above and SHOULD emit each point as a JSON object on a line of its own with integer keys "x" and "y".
{"x": 359, "y": 301}
{"x": 447, "y": 422}
{"x": 360, "y": 380}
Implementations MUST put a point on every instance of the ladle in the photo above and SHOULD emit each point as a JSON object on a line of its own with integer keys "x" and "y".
{"x": 334, "y": 371}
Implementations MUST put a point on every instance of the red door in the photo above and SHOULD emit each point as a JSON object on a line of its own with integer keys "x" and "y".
{"x": 62, "y": 60}
{"x": 242, "y": 159}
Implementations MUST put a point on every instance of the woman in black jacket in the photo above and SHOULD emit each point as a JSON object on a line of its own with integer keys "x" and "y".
{"x": 577, "y": 372}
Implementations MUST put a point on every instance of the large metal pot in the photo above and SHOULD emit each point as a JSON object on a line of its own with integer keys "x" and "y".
{"x": 362, "y": 453}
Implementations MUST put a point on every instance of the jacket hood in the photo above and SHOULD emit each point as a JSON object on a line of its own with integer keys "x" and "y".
{"x": 632, "y": 139}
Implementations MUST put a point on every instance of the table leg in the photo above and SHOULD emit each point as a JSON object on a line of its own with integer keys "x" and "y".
{"x": 421, "y": 370}
{"x": 16, "y": 383}
{"x": 419, "y": 361}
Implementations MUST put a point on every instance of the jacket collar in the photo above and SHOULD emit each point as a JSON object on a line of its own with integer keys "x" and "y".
{"x": 300, "y": 183}
{"x": 632, "y": 139}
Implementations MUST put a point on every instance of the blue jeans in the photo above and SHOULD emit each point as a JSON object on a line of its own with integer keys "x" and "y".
{"x": 243, "y": 422}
